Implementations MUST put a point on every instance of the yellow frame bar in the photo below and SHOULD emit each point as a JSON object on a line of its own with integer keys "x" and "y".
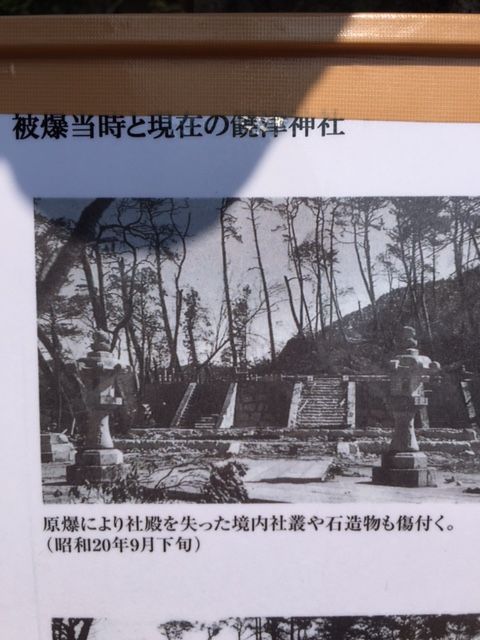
{"x": 420, "y": 67}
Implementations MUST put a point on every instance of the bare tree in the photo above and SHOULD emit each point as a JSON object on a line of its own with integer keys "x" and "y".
{"x": 228, "y": 229}
{"x": 289, "y": 210}
{"x": 196, "y": 325}
{"x": 83, "y": 233}
{"x": 366, "y": 216}
{"x": 71, "y": 628}
{"x": 417, "y": 221}
{"x": 255, "y": 207}
{"x": 243, "y": 627}
{"x": 161, "y": 227}
{"x": 175, "y": 629}
{"x": 463, "y": 214}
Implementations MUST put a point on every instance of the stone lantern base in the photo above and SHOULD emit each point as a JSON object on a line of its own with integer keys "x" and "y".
{"x": 407, "y": 469}
{"x": 97, "y": 466}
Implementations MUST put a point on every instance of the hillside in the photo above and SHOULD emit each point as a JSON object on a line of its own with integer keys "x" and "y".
{"x": 454, "y": 324}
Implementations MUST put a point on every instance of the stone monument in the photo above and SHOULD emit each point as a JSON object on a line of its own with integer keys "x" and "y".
{"x": 56, "y": 447}
{"x": 404, "y": 465}
{"x": 98, "y": 461}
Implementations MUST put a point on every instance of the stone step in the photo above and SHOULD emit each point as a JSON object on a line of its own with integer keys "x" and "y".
{"x": 316, "y": 427}
{"x": 322, "y": 404}
{"x": 205, "y": 422}
{"x": 316, "y": 403}
{"x": 319, "y": 425}
{"x": 323, "y": 390}
{"x": 326, "y": 383}
{"x": 323, "y": 383}
{"x": 321, "y": 414}
{"x": 322, "y": 420}
{"x": 313, "y": 407}
{"x": 324, "y": 425}
{"x": 324, "y": 397}
{"x": 320, "y": 401}
{"x": 324, "y": 416}
{"x": 318, "y": 412}
{"x": 319, "y": 409}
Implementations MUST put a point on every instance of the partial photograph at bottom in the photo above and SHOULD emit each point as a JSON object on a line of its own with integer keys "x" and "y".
{"x": 393, "y": 627}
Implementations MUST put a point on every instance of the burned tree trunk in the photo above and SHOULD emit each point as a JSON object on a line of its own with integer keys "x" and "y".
{"x": 82, "y": 234}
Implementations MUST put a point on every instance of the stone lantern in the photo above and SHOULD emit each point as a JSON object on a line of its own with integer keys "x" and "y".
{"x": 98, "y": 461}
{"x": 404, "y": 465}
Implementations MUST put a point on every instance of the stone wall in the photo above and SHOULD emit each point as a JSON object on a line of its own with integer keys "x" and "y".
{"x": 163, "y": 399}
{"x": 263, "y": 403}
{"x": 446, "y": 404}
{"x": 207, "y": 401}
{"x": 372, "y": 404}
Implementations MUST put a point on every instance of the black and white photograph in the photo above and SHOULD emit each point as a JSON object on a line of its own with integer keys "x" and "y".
{"x": 256, "y": 350}
{"x": 393, "y": 627}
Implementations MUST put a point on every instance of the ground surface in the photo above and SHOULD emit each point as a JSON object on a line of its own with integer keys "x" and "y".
{"x": 354, "y": 488}
{"x": 300, "y": 481}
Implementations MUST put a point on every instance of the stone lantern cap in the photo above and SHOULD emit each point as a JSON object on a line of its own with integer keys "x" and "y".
{"x": 411, "y": 359}
{"x": 100, "y": 356}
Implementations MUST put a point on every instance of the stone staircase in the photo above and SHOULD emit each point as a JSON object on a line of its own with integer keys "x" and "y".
{"x": 323, "y": 404}
{"x": 206, "y": 422}
{"x": 195, "y": 410}
{"x": 180, "y": 420}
